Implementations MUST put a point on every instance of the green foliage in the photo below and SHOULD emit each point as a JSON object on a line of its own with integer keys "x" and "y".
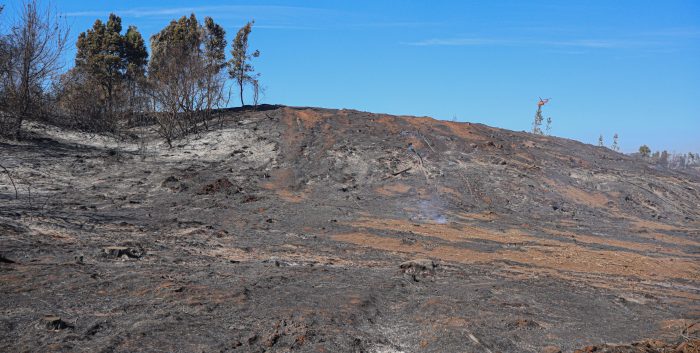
{"x": 186, "y": 46}
{"x": 186, "y": 74}
{"x": 135, "y": 53}
{"x": 240, "y": 67}
{"x": 214, "y": 44}
{"x": 615, "y": 146}
{"x": 600, "y": 141}
{"x": 644, "y": 150}
{"x": 111, "y": 62}
{"x": 537, "y": 123}
{"x": 181, "y": 39}
{"x": 679, "y": 161}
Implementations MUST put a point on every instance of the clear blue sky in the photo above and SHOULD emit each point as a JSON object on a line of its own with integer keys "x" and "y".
{"x": 631, "y": 67}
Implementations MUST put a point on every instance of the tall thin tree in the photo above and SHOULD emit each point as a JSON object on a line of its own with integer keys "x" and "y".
{"x": 537, "y": 123}
{"x": 615, "y": 146}
{"x": 214, "y": 76}
{"x": 240, "y": 67}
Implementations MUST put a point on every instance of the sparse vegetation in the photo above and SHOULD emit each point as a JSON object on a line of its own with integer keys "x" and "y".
{"x": 240, "y": 67}
{"x": 106, "y": 84}
{"x": 110, "y": 87}
{"x": 312, "y": 229}
{"x": 680, "y": 161}
{"x": 175, "y": 233}
{"x": 31, "y": 59}
{"x": 644, "y": 151}
{"x": 537, "y": 122}
{"x": 185, "y": 75}
{"x": 615, "y": 146}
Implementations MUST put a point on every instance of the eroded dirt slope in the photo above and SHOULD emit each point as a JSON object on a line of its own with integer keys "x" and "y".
{"x": 315, "y": 230}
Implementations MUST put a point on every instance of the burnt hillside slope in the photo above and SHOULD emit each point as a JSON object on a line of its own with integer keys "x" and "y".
{"x": 318, "y": 230}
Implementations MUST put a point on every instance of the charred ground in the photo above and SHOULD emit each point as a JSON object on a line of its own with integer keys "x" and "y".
{"x": 305, "y": 229}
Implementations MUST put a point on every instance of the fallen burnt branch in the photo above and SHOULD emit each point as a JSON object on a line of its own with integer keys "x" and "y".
{"x": 11, "y": 180}
{"x": 397, "y": 173}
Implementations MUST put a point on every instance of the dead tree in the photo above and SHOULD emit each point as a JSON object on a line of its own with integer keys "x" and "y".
{"x": 35, "y": 45}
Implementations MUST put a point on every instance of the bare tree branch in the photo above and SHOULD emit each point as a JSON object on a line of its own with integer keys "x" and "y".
{"x": 11, "y": 180}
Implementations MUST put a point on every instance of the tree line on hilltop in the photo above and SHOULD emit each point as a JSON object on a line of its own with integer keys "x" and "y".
{"x": 179, "y": 87}
{"x": 680, "y": 161}
{"x": 115, "y": 82}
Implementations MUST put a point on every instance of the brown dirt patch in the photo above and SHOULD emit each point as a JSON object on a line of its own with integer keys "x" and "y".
{"x": 307, "y": 118}
{"x": 584, "y": 197}
{"x": 291, "y": 196}
{"x": 393, "y": 189}
{"x": 464, "y": 130}
{"x": 591, "y": 239}
{"x": 550, "y": 254}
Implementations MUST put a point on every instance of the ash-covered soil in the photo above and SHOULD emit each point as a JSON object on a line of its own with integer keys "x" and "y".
{"x": 316, "y": 230}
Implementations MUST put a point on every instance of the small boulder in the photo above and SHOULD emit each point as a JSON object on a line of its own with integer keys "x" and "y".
{"x": 219, "y": 185}
{"x": 174, "y": 184}
{"x": 118, "y": 252}
{"x": 418, "y": 265}
{"x": 54, "y": 323}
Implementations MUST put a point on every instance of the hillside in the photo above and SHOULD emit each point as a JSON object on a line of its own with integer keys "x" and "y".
{"x": 318, "y": 230}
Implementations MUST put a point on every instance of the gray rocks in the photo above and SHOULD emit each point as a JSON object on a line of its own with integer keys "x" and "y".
{"x": 418, "y": 268}
{"x": 54, "y": 323}
{"x": 122, "y": 252}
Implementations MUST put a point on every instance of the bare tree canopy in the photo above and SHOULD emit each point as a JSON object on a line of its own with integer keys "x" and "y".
{"x": 33, "y": 58}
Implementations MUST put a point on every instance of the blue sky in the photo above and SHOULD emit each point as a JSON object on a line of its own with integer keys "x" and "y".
{"x": 629, "y": 67}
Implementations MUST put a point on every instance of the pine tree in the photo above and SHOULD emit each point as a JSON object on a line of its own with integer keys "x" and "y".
{"x": 175, "y": 74}
{"x": 549, "y": 125}
{"x": 600, "y": 141}
{"x": 175, "y": 47}
{"x": 215, "y": 61}
{"x": 240, "y": 68}
{"x": 644, "y": 150}
{"x": 186, "y": 73}
{"x": 538, "y": 121}
{"x": 136, "y": 60}
{"x": 113, "y": 63}
{"x": 663, "y": 158}
{"x": 214, "y": 44}
{"x": 615, "y": 146}
{"x": 135, "y": 54}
